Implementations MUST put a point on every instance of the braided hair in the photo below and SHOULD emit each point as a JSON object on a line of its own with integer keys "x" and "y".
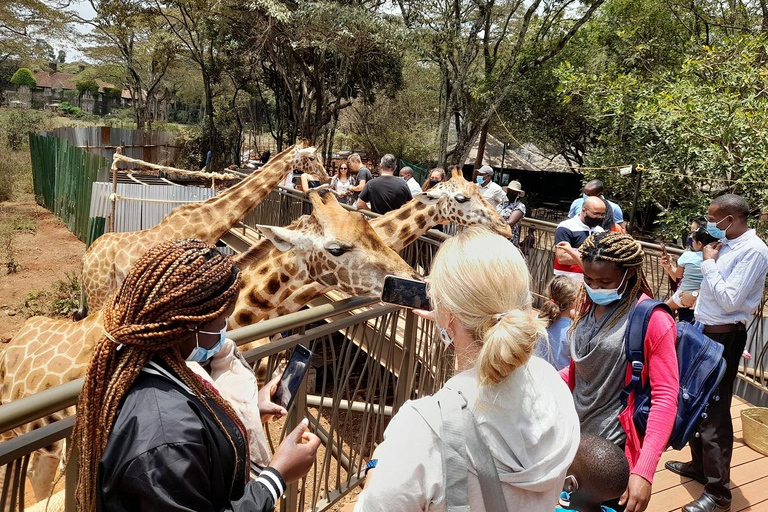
{"x": 623, "y": 251}
{"x": 174, "y": 286}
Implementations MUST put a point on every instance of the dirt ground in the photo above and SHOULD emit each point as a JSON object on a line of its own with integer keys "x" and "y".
{"x": 45, "y": 256}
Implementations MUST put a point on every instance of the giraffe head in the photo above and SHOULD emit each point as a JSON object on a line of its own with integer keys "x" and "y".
{"x": 306, "y": 159}
{"x": 457, "y": 200}
{"x": 338, "y": 248}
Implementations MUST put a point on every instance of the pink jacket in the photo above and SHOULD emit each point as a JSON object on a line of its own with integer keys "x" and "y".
{"x": 644, "y": 454}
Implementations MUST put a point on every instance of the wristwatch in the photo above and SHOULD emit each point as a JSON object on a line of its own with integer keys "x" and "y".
{"x": 695, "y": 293}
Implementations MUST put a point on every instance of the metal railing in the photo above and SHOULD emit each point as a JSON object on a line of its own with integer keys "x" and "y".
{"x": 284, "y": 206}
{"x": 368, "y": 360}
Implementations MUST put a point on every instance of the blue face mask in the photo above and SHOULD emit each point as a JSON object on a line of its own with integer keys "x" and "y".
{"x": 603, "y": 297}
{"x": 715, "y": 231}
{"x": 202, "y": 355}
{"x": 480, "y": 179}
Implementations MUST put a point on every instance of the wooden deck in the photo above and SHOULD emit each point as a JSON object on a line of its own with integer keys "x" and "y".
{"x": 749, "y": 476}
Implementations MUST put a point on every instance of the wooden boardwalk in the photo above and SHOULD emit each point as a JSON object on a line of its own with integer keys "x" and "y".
{"x": 749, "y": 476}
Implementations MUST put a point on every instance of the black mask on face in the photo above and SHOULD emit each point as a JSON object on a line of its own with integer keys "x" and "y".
{"x": 592, "y": 221}
{"x": 432, "y": 183}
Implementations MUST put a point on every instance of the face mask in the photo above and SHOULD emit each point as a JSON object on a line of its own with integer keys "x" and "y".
{"x": 202, "y": 355}
{"x": 690, "y": 241}
{"x": 715, "y": 231}
{"x": 584, "y": 196}
{"x": 592, "y": 222}
{"x": 603, "y": 297}
{"x": 432, "y": 183}
{"x": 480, "y": 180}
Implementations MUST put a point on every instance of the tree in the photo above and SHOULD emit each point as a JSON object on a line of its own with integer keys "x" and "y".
{"x": 326, "y": 54}
{"x": 62, "y": 57}
{"x": 23, "y": 76}
{"x": 133, "y": 49}
{"x": 26, "y": 24}
{"x": 699, "y": 130}
{"x": 483, "y": 48}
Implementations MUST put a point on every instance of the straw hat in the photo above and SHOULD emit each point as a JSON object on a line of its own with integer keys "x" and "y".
{"x": 514, "y": 186}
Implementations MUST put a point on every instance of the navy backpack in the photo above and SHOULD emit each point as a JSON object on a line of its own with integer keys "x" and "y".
{"x": 701, "y": 364}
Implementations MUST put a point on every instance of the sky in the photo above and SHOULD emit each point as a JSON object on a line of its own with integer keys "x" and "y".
{"x": 84, "y": 9}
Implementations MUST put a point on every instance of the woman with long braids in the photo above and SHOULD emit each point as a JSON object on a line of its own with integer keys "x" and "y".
{"x": 599, "y": 371}
{"x": 150, "y": 433}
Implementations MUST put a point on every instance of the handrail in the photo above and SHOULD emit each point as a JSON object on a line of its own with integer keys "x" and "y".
{"x": 38, "y": 405}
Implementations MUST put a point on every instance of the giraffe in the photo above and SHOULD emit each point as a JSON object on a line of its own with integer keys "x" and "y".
{"x": 46, "y": 353}
{"x": 331, "y": 246}
{"x": 456, "y": 200}
{"x": 108, "y": 260}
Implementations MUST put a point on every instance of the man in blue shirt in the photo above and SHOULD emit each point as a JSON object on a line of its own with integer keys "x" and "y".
{"x": 613, "y": 215}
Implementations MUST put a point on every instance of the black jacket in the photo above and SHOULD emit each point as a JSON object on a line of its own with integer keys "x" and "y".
{"x": 167, "y": 453}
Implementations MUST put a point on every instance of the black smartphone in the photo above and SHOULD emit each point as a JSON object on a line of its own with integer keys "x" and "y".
{"x": 408, "y": 293}
{"x": 292, "y": 377}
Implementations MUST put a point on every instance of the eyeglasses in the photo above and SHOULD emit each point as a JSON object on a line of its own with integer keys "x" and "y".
{"x": 342, "y": 167}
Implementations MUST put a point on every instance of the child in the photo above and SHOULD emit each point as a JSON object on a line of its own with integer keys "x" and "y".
{"x": 688, "y": 267}
{"x": 598, "y": 474}
{"x": 563, "y": 295}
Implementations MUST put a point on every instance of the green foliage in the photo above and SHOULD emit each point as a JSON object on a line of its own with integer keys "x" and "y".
{"x": 114, "y": 93}
{"x": 16, "y": 125}
{"x": 61, "y": 300}
{"x": 87, "y": 85}
{"x": 699, "y": 130}
{"x": 23, "y": 76}
{"x": 67, "y": 108}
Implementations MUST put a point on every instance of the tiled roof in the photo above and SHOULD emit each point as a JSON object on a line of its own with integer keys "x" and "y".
{"x": 66, "y": 81}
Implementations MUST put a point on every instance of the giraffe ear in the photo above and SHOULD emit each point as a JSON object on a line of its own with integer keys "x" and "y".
{"x": 431, "y": 196}
{"x": 285, "y": 239}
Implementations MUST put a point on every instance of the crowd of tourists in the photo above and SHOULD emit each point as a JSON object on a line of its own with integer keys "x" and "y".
{"x": 540, "y": 413}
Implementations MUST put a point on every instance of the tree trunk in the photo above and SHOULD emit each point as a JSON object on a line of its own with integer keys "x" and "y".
{"x": 481, "y": 146}
{"x": 211, "y": 142}
{"x": 332, "y": 136}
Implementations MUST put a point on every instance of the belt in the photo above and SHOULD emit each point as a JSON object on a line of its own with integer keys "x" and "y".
{"x": 721, "y": 329}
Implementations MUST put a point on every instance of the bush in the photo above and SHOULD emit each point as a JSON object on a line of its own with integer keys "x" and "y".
{"x": 68, "y": 109}
{"x": 61, "y": 301}
{"x": 16, "y": 126}
{"x": 23, "y": 76}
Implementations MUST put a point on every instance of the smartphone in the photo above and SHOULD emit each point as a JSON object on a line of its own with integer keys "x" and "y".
{"x": 663, "y": 248}
{"x": 408, "y": 293}
{"x": 292, "y": 377}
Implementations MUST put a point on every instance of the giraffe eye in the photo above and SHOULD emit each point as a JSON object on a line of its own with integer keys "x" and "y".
{"x": 461, "y": 198}
{"x": 336, "y": 250}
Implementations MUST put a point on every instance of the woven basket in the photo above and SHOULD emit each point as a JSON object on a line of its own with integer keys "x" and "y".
{"x": 754, "y": 424}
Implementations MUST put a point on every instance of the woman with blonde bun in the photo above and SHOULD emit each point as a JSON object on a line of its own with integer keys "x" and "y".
{"x": 479, "y": 288}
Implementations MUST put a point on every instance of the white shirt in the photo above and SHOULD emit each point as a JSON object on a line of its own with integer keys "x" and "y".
{"x": 493, "y": 193}
{"x": 528, "y": 421}
{"x": 288, "y": 183}
{"x": 414, "y": 186}
{"x": 733, "y": 284}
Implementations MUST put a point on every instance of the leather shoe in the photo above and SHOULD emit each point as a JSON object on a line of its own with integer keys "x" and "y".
{"x": 685, "y": 469}
{"x": 706, "y": 504}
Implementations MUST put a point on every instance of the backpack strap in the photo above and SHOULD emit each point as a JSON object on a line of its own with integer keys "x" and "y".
{"x": 634, "y": 342}
{"x": 460, "y": 438}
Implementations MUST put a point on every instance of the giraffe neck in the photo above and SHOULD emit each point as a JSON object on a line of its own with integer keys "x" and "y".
{"x": 403, "y": 226}
{"x": 274, "y": 283}
{"x": 211, "y": 219}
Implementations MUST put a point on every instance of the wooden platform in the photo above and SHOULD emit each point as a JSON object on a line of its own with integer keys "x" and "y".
{"x": 749, "y": 476}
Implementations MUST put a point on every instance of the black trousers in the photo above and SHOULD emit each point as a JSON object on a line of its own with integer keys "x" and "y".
{"x": 712, "y": 450}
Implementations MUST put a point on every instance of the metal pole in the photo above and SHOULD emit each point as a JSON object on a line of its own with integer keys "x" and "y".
{"x": 633, "y": 215}
{"x": 503, "y": 154}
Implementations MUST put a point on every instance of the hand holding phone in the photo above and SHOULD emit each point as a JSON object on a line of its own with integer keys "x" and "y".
{"x": 663, "y": 248}
{"x": 292, "y": 377}
{"x": 408, "y": 293}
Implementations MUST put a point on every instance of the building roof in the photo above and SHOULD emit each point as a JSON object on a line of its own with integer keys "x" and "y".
{"x": 526, "y": 157}
{"x": 66, "y": 81}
